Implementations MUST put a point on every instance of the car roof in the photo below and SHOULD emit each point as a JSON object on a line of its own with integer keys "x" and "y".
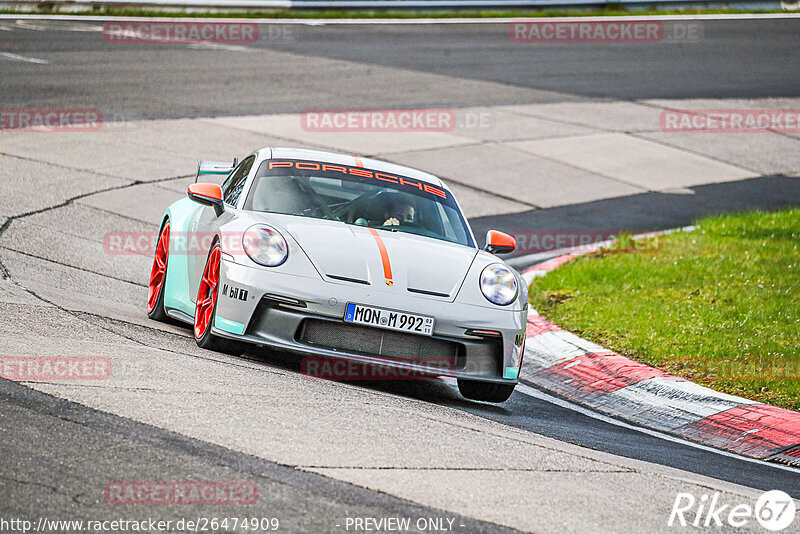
{"x": 352, "y": 160}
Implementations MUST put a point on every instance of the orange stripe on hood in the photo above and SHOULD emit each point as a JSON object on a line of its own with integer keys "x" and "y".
{"x": 387, "y": 267}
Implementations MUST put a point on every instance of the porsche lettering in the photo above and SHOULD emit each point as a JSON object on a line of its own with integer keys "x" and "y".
{"x": 360, "y": 172}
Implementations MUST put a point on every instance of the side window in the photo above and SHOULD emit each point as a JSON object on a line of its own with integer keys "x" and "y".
{"x": 234, "y": 185}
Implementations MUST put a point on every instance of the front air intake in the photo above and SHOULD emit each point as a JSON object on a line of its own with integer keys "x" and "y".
{"x": 370, "y": 341}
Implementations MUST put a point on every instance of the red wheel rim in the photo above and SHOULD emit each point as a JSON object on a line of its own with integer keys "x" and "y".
{"x": 207, "y": 295}
{"x": 159, "y": 271}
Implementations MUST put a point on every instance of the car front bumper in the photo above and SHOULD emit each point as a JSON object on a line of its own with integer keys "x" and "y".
{"x": 305, "y": 315}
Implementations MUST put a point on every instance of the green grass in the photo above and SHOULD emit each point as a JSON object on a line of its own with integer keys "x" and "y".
{"x": 611, "y": 10}
{"x": 719, "y": 305}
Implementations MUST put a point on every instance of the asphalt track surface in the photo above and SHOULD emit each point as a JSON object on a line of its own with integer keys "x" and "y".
{"x": 48, "y": 430}
{"x": 733, "y": 59}
{"x": 43, "y": 433}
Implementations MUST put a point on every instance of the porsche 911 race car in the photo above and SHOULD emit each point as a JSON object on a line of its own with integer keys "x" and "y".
{"x": 334, "y": 256}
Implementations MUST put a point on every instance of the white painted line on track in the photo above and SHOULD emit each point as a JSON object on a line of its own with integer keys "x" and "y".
{"x": 319, "y": 22}
{"x": 535, "y": 393}
{"x": 42, "y": 25}
{"x": 15, "y": 57}
{"x": 220, "y": 46}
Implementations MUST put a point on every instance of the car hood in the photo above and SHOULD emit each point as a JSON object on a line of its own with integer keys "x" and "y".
{"x": 345, "y": 253}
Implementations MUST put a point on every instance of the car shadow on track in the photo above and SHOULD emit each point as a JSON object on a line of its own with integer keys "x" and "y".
{"x": 427, "y": 389}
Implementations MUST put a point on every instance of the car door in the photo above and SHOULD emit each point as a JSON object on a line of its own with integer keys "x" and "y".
{"x": 205, "y": 224}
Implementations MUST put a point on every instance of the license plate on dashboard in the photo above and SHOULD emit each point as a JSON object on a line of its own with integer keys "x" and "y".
{"x": 389, "y": 319}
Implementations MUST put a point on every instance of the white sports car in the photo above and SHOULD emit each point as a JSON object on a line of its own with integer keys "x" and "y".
{"x": 331, "y": 255}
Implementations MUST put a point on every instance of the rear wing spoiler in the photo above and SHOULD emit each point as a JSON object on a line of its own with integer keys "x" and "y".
{"x": 214, "y": 168}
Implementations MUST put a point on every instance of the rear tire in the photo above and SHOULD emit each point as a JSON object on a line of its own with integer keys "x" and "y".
{"x": 485, "y": 391}
{"x": 206, "y": 310}
{"x": 158, "y": 278}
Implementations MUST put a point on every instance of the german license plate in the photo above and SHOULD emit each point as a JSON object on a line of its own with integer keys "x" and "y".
{"x": 389, "y": 319}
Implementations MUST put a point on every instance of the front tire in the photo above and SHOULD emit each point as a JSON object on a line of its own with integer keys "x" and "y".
{"x": 206, "y": 309}
{"x": 485, "y": 391}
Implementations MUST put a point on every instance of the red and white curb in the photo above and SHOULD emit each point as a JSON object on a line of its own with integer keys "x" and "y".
{"x": 589, "y": 375}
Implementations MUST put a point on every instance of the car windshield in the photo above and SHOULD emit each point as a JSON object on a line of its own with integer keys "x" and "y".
{"x": 357, "y": 196}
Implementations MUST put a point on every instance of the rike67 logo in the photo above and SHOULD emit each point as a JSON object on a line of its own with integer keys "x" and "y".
{"x": 774, "y": 511}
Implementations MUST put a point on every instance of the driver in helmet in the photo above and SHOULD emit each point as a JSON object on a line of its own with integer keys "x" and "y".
{"x": 400, "y": 212}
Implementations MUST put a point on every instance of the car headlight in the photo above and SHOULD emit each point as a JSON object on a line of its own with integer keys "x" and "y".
{"x": 498, "y": 284}
{"x": 265, "y": 245}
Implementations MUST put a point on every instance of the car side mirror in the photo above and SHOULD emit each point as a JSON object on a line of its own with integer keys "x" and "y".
{"x": 499, "y": 243}
{"x": 209, "y": 195}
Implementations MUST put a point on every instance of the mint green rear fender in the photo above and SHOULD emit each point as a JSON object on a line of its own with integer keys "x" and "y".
{"x": 177, "y": 294}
